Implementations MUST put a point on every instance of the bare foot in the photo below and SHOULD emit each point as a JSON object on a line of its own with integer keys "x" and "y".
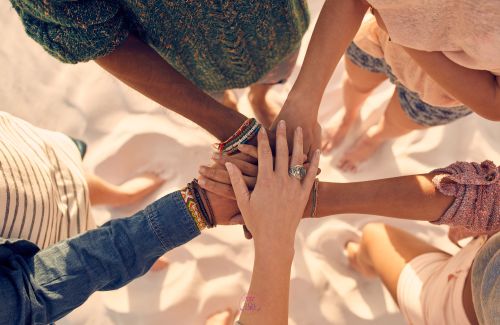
{"x": 138, "y": 188}
{"x": 265, "y": 110}
{"x": 352, "y": 250}
{"x": 225, "y": 317}
{"x": 334, "y": 136}
{"x": 230, "y": 100}
{"x": 160, "y": 264}
{"x": 365, "y": 146}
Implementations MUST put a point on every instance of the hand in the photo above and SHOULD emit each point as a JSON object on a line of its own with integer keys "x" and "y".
{"x": 271, "y": 213}
{"x": 216, "y": 179}
{"x": 225, "y": 210}
{"x": 295, "y": 115}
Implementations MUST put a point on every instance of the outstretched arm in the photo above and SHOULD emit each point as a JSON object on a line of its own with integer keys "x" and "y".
{"x": 477, "y": 89}
{"x": 337, "y": 25}
{"x": 40, "y": 287}
{"x": 272, "y": 216}
{"x": 140, "y": 67}
{"x": 406, "y": 197}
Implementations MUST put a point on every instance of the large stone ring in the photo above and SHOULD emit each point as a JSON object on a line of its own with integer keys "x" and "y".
{"x": 298, "y": 171}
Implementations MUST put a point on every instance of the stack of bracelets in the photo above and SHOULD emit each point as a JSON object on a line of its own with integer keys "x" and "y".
{"x": 244, "y": 134}
{"x": 198, "y": 205}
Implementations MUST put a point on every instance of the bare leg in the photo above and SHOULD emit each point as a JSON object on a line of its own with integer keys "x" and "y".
{"x": 133, "y": 190}
{"x": 229, "y": 100}
{"x": 225, "y": 317}
{"x": 384, "y": 251}
{"x": 265, "y": 111}
{"x": 358, "y": 85}
{"x": 394, "y": 123}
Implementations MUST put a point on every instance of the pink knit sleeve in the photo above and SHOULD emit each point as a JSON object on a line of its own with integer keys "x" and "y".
{"x": 476, "y": 188}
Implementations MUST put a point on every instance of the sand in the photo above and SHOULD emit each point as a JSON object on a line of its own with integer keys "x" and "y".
{"x": 128, "y": 133}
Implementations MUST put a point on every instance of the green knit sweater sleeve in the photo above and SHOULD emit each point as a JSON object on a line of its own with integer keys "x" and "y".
{"x": 73, "y": 30}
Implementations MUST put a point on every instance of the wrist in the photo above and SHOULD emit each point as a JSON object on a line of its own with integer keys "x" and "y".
{"x": 307, "y": 104}
{"x": 274, "y": 250}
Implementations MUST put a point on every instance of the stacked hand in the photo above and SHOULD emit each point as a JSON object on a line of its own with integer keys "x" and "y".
{"x": 245, "y": 175}
{"x": 299, "y": 115}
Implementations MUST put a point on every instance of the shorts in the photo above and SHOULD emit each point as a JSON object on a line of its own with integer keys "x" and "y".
{"x": 417, "y": 110}
{"x": 430, "y": 286}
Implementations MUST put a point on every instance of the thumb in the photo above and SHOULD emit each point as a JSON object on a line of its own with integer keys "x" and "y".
{"x": 239, "y": 186}
{"x": 236, "y": 220}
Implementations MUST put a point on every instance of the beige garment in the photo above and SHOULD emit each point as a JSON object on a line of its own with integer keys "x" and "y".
{"x": 430, "y": 286}
{"x": 44, "y": 196}
{"x": 466, "y": 31}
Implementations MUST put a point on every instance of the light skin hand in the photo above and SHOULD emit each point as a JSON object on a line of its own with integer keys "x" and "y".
{"x": 272, "y": 215}
{"x": 337, "y": 24}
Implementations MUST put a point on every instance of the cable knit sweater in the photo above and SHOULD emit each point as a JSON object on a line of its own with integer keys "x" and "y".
{"x": 215, "y": 44}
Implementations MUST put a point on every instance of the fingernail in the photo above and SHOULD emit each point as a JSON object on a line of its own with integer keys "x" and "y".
{"x": 281, "y": 124}
{"x": 202, "y": 169}
{"x": 299, "y": 129}
{"x": 229, "y": 166}
{"x": 216, "y": 156}
{"x": 201, "y": 181}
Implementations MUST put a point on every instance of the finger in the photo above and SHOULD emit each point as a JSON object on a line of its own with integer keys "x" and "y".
{"x": 298, "y": 143}
{"x": 248, "y": 169}
{"x": 327, "y": 146}
{"x": 281, "y": 149}
{"x": 306, "y": 165}
{"x": 222, "y": 176}
{"x": 248, "y": 234}
{"x": 249, "y": 150}
{"x": 265, "y": 165}
{"x": 315, "y": 142}
{"x": 236, "y": 220}
{"x": 220, "y": 189}
{"x": 239, "y": 187}
{"x": 311, "y": 172}
{"x": 237, "y": 156}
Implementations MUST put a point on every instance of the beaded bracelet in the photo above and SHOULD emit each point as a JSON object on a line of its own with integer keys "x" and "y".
{"x": 202, "y": 203}
{"x": 193, "y": 208}
{"x": 244, "y": 134}
{"x": 314, "y": 203}
{"x": 209, "y": 216}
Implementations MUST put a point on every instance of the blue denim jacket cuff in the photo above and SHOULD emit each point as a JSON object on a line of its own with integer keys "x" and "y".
{"x": 171, "y": 222}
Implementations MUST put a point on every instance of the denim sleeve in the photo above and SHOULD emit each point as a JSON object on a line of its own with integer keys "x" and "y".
{"x": 41, "y": 286}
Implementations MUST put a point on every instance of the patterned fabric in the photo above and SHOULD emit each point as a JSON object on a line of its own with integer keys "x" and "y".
{"x": 476, "y": 208}
{"x": 246, "y": 132}
{"x": 217, "y": 45}
{"x": 43, "y": 191}
{"x": 417, "y": 110}
{"x": 193, "y": 208}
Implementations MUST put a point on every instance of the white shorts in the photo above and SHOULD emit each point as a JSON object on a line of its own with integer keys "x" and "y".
{"x": 430, "y": 287}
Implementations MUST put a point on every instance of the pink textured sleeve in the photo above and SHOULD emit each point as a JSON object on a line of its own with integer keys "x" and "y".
{"x": 476, "y": 188}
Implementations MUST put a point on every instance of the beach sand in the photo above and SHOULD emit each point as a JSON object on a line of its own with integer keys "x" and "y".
{"x": 127, "y": 134}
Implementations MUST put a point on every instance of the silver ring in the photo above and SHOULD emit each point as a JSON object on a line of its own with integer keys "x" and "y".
{"x": 298, "y": 171}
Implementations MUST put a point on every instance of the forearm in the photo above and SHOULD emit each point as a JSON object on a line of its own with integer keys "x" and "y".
{"x": 407, "y": 197}
{"x": 477, "y": 89}
{"x": 43, "y": 287}
{"x": 140, "y": 67}
{"x": 337, "y": 25}
{"x": 267, "y": 299}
